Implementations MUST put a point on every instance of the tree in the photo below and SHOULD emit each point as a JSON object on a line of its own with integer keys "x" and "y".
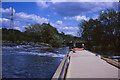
{"x": 45, "y": 33}
{"x": 104, "y": 31}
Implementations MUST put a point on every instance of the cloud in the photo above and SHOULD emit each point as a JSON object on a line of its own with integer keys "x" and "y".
{"x": 59, "y": 22}
{"x": 62, "y": 28}
{"x": 70, "y": 9}
{"x": 42, "y": 4}
{"x": 77, "y": 18}
{"x": 7, "y": 12}
{"x": 69, "y": 30}
{"x": 6, "y": 23}
{"x": 32, "y": 18}
{"x": 20, "y": 19}
{"x": 23, "y": 17}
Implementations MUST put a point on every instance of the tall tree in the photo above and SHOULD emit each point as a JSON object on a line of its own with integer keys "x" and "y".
{"x": 104, "y": 31}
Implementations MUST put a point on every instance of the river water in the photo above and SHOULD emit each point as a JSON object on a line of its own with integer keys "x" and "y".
{"x": 28, "y": 61}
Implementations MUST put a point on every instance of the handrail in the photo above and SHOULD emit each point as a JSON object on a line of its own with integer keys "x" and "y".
{"x": 111, "y": 61}
{"x": 62, "y": 68}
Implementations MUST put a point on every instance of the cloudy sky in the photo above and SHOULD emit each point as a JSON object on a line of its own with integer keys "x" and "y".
{"x": 65, "y": 16}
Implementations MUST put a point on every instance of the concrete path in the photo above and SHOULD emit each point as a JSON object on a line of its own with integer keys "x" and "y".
{"x": 84, "y": 64}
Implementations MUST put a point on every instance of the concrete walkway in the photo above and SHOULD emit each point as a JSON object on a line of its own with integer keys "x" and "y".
{"x": 84, "y": 64}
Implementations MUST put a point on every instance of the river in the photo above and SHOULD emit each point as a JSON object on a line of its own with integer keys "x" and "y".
{"x": 30, "y": 61}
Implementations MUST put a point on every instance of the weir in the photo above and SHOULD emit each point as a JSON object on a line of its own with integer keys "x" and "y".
{"x": 86, "y": 65}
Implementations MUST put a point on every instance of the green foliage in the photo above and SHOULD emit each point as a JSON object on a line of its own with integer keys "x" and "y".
{"x": 11, "y": 35}
{"x": 103, "y": 32}
{"x": 56, "y": 41}
{"x": 44, "y": 35}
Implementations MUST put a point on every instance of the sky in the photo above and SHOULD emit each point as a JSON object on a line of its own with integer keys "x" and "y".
{"x": 65, "y": 16}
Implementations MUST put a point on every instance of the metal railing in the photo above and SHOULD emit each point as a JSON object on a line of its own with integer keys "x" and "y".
{"x": 61, "y": 72}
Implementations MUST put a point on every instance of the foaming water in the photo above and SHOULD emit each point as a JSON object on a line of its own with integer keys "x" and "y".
{"x": 27, "y": 61}
{"x": 30, "y": 50}
{"x": 43, "y": 54}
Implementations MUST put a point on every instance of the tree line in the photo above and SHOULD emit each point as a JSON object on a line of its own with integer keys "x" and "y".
{"x": 102, "y": 34}
{"x": 38, "y": 33}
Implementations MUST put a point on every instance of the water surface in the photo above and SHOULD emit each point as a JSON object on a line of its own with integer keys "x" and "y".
{"x": 27, "y": 61}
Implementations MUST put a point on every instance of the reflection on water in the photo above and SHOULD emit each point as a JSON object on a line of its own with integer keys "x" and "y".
{"x": 28, "y": 61}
